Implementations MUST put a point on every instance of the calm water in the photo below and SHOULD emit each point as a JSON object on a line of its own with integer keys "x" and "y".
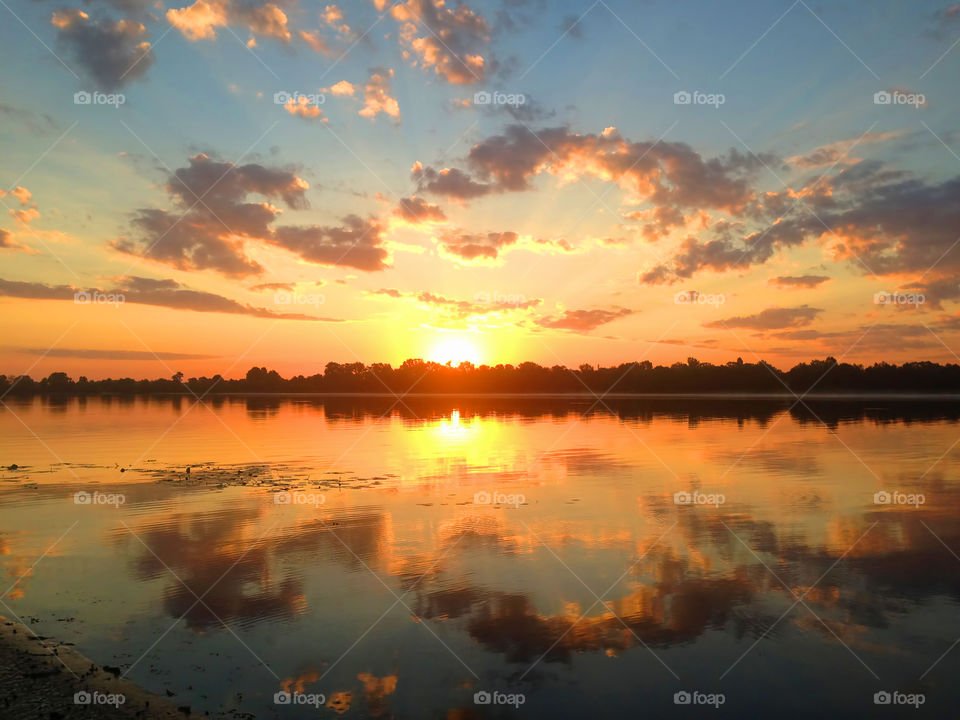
{"x": 391, "y": 587}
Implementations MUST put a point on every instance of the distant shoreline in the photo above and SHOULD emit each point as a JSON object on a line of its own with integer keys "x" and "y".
{"x": 529, "y": 396}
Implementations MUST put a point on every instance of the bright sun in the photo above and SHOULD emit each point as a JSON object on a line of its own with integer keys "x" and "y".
{"x": 455, "y": 350}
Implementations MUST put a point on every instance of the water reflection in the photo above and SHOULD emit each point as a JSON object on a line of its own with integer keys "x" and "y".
{"x": 797, "y": 569}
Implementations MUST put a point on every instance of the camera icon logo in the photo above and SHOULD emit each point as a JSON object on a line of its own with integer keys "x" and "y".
{"x": 682, "y": 698}
{"x": 282, "y": 498}
{"x": 82, "y": 698}
{"x": 282, "y": 698}
{"x": 682, "y": 498}
{"x": 882, "y": 498}
{"x": 81, "y": 497}
{"x": 82, "y": 97}
{"x": 881, "y": 298}
{"x": 882, "y": 97}
{"x": 482, "y": 498}
{"x": 81, "y": 297}
{"x": 882, "y": 698}
{"x": 482, "y": 298}
{"x": 682, "y": 97}
{"x": 482, "y": 698}
{"x": 282, "y": 97}
{"x": 482, "y": 98}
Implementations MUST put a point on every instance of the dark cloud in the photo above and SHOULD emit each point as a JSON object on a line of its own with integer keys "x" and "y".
{"x": 417, "y": 210}
{"x": 5, "y": 241}
{"x": 473, "y": 246}
{"x": 572, "y": 26}
{"x": 147, "y": 291}
{"x": 112, "y": 53}
{"x": 771, "y": 319}
{"x": 216, "y": 214}
{"x": 882, "y": 221}
{"x": 36, "y": 123}
{"x": 799, "y": 281}
{"x": 357, "y": 243}
{"x": 583, "y": 321}
{"x": 451, "y": 42}
{"x": 448, "y": 182}
{"x": 664, "y": 173}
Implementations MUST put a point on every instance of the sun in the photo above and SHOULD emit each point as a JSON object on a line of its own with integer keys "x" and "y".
{"x": 455, "y": 350}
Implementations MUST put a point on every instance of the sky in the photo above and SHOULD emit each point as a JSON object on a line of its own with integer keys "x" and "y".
{"x": 203, "y": 187}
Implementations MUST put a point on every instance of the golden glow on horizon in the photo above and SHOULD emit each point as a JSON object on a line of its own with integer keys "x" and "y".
{"x": 455, "y": 349}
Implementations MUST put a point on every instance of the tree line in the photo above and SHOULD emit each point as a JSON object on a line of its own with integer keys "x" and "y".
{"x": 421, "y": 376}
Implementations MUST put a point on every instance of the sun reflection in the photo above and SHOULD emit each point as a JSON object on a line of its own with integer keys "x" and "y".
{"x": 452, "y": 429}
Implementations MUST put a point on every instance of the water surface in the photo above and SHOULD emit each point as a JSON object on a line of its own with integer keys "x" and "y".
{"x": 394, "y": 588}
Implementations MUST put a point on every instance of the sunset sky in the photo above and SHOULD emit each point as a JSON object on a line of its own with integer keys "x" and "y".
{"x": 290, "y": 183}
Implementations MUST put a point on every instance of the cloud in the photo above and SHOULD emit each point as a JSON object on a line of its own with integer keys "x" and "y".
{"x": 468, "y": 246}
{"x": 448, "y": 182}
{"x": 572, "y": 25}
{"x": 20, "y": 193}
{"x": 113, "y": 354}
{"x": 583, "y": 321}
{"x": 799, "y": 281}
{"x": 836, "y": 152}
{"x": 5, "y": 239}
{"x": 771, "y": 319}
{"x": 357, "y": 243}
{"x": 300, "y": 105}
{"x": 452, "y": 310}
{"x": 213, "y": 216}
{"x": 340, "y": 88}
{"x": 376, "y": 95}
{"x": 265, "y": 287}
{"x": 881, "y": 221}
{"x": 417, "y": 211}
{"x": 148, "y": 291}
{"x": 35, "y": 123}
{"x": 112, "y": 53}
{"x": 316, "y": 43}
{"x": 451, "y": 42}
{"x": 661, "y": 172}
{"x": 201, "y": 20}
{"x": 28, "y": 212}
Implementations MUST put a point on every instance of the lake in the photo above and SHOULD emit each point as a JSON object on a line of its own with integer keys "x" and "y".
{"x": 441, "y": 558}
